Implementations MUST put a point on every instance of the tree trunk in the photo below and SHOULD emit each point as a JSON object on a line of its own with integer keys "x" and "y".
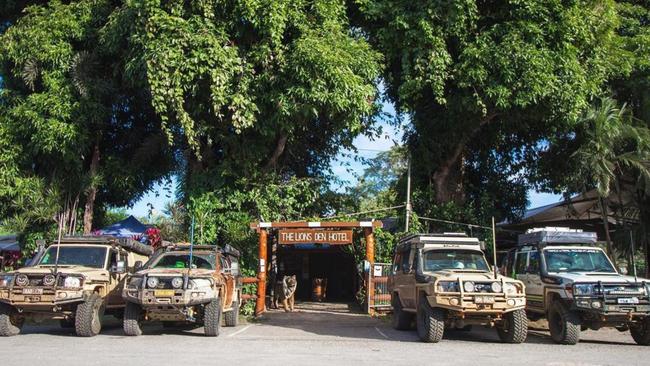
{"x": 448, "y": 177}
{"x": 279, "y": 149}
{"x": 92, "y": 192}
{"x": 605, "y": 214}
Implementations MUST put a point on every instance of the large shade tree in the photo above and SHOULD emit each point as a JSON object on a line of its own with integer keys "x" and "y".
{"x": 76, "y": 134}
{"x": 484, "y": 82}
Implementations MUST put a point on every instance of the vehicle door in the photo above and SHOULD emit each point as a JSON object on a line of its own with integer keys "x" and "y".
{"x": 116, "y": 276}
{"x": 534, "y": 285}
{"x": 230, "y": 281}
{"x": 407, "y": 279}
{"x": 520, "y": 267}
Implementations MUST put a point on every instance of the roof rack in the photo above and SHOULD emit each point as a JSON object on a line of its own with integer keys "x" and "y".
{"x": 437, "y": 238}
{"x": 553, "y": 235}
{"x": 227, "y": 249}
{"x": 126, "y": 243}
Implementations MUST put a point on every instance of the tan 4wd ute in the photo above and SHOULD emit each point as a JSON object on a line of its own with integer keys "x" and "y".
{"x": 185, "y": 284}
{"x": 444, "y": 281}
{"x": 75, "y": 281}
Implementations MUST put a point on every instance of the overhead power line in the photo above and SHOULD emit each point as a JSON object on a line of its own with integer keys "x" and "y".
{"x": 365, "y": 212}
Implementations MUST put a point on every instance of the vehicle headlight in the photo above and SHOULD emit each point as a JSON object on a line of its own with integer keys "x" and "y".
{"x": 496, "y": 287}
{"x": 447, "y": 286}
{"x": 509, "y": 288}
{"x": 468, "y": 286}
{"x": 152, "y": 282}
{"x": 583, "y": 289}
{"x": 22, "y": 280}
{"x": 72, "y": 282}
{"x": 177, "y": 282}
{"x": 135, "y": 281}
{"x": 49, "y": 280}
{"x": 200, "y": 282}
{"x": 5, "y": 281}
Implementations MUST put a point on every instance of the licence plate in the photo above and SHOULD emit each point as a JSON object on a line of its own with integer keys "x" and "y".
{"x": 32, "y": 291}
{"x": 628, "y": 300}
{"x": 163, "y": 293}
{"x": 484, "y": 300}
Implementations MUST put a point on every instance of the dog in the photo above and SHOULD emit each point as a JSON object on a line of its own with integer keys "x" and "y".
{"x": 285, "y": 291}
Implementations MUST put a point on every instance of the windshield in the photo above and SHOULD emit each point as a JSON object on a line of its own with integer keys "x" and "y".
{"x": 436, "y": 260}
{"x": 577, "y": 260}
{"x": 180, "y": 260}
{"x": 94, "y": 257}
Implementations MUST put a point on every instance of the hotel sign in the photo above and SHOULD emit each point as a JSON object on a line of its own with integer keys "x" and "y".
{"x": 310, "y": 236}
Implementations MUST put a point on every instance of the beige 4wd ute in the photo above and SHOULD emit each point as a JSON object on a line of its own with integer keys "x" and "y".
{"x": 170, "y": 290}
{"x": 444, "y": 281}
{"x": 75, "y": 281}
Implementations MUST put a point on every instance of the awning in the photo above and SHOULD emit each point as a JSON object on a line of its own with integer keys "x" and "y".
{"x": 127, "y": 228}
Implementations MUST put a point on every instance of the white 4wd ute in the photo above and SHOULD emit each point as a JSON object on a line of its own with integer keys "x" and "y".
{"x": 571, "y": 281}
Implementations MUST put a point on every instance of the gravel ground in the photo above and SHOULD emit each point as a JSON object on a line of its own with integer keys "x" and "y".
{"x": 310, "y": 336}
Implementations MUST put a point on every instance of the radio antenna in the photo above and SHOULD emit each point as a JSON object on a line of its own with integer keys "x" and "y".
{"x": 494, "y": 248}
{"x": 633, "y": 261}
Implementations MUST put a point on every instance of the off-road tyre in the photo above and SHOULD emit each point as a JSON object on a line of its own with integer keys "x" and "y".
{"x": 132, "y": 322}
{"x": 430, "y": 322}
{"x": 212, "y": 318}
{"x": 514, "y": 328}
{"x": 401, "y": 320}
{"x": 564, "y": 324}
{"x": 641, "y": 333}
{"x": 10, "y": 322}
{"x": 231, "y": 318}
{"x": 88, "y": 317}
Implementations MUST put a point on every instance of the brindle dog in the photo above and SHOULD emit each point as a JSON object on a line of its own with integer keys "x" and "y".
{"x": 285, "y": 291}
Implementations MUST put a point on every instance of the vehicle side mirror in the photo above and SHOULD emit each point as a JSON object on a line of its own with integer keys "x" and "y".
{"x": 138, "y": 266}
{"x": 622, "y": 270}
{"x": 120, "y": 267}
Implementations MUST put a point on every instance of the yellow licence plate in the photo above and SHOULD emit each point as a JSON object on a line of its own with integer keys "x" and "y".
{"x": 163, "y": 293}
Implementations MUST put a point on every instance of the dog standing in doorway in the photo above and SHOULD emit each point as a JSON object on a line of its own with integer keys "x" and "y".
{"x": 285, "y": 290}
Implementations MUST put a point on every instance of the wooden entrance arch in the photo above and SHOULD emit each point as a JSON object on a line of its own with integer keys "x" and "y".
{"x": 303, "y": 229}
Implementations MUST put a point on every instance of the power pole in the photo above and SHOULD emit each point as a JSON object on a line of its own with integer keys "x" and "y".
{"x": 408, "y": 195}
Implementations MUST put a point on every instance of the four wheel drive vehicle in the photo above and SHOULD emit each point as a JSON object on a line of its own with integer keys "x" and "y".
{"x": 443, "y": 280}
{"x": 184, "y": 284}
{"x": 76, "y": 281}
{"x": 572, "y": 282}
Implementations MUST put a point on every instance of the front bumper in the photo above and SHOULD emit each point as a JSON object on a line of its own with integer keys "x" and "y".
{"x": 177, "y": 298}
{"x": 478, "y": 304}
{"x": 44, "y": 297}
{"x": 611, "y": 307}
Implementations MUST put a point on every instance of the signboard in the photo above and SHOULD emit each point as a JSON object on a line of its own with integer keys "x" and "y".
{"x": 306, "y": 236}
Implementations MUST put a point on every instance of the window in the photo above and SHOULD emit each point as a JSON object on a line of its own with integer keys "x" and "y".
{"x": 577, "y": 260}
{"x": 112, "y": 261}
{"x": 397, "y": 263}
{"x": 533, "y": 262}
{"x": 437, "y": 260}
{"x": 75, "y": 256}
{"x": 522, "y": 259}
{"x": 171, "y": 260}
{"x": 406, "y": 256}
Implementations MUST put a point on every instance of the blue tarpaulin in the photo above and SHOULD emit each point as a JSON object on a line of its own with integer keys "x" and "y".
{"x": 127, "y": 228}
{"x": 9, "y": 243}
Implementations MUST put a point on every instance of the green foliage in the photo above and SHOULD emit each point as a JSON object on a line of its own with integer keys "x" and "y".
{"x": 484, "y": 83}
{"x": 223, "y": 216}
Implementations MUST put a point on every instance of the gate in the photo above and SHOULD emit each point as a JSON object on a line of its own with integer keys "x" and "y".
{"x": 378, "y": 294}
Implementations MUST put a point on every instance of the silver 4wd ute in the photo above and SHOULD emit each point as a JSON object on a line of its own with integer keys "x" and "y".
{"x": 185, "y": 284}
{"x": 76, "y": 282}
{"x": 571, "y": 281}
{"x": 444, "y": 281}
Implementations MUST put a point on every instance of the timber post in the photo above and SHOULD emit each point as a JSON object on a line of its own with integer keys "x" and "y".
{"x": 260, "y": 304}
{"x": 370, "y": 257}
